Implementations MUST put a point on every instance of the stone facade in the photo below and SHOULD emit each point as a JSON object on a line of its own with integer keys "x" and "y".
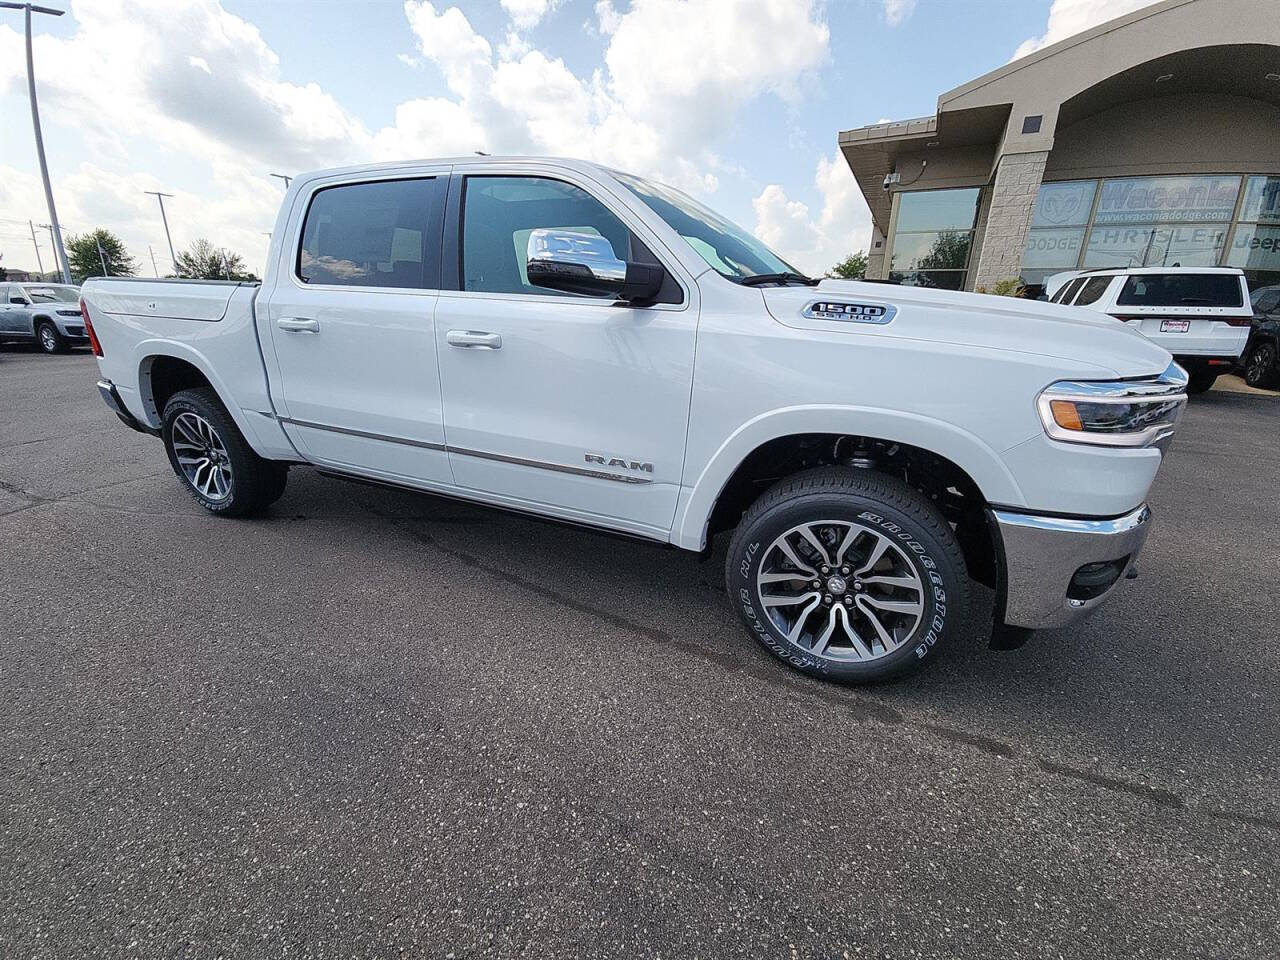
{"x": 1013, "y": 199}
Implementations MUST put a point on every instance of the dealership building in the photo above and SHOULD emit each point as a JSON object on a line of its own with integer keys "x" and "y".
{"x": 1152, "y": 139}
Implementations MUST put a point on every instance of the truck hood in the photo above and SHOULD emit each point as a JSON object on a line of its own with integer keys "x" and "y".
{"x": 1006, "y": 324}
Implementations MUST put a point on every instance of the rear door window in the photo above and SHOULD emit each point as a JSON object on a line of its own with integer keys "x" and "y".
{"x": 373, "y": 235}
{"x": 1181, "y": 290}
{"x": 1093, "y": 290}
{"x": 1069, "y": 293}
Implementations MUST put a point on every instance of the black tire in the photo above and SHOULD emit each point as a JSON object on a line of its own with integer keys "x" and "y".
{"x": 1200, "y": 380}
{"x": 255, "y": 483}
{"x": 886, "y": 509}
{"x": 50, "y": 339}
{"x": 1260, "y": 367}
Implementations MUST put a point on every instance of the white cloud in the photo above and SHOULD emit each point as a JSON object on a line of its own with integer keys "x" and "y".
{"x": 658, "y": 104}
{"x": 1069, "y": 17}
{"x": 167, "y": 93}
{"x": 527, "y": 13}
{"x": 816, "y": 244}
{"x": 896, "y": 11}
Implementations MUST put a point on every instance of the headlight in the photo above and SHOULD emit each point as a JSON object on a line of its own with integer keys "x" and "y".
{"x": 1114, "y": 413}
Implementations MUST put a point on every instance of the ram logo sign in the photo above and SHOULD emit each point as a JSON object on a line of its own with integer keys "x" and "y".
{"x": 850, "y": 312}
{"x": 619, "y": 462}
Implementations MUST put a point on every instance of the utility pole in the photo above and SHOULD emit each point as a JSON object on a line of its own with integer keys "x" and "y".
{"x": 282, "y": 177}
{"x": 39, "y": 261}
{"x": 101, "y": 259}
{"x": 58, "y": 251}
{"x": 153, "y": 261}
{"x": 160, "y": 197}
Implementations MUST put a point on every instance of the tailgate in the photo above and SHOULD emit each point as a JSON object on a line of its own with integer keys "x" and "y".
{"x": 170, "y": 299}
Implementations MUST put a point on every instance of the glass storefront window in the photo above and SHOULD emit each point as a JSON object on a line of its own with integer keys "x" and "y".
{"x": 1066, "y": 204}
{"x": 1136, "y": 200}
{"x": 935, "y": 210}
{"x": 1261, "y": 200}
{"x": 1156, "y": 221}
{"x": 938, "y": 279}
{"x": 933, "y": 236}
{"x": 1153, "y": 245}
{"x": 947, "y": 250}
{"x": 1255, "y": 247}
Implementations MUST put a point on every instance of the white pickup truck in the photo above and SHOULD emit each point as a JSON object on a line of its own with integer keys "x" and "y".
{"x": 559, "y": 338}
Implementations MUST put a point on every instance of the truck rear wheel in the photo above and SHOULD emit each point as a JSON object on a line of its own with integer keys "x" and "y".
{"x": 213, "y": 460}
{"x": 847, "y": 574}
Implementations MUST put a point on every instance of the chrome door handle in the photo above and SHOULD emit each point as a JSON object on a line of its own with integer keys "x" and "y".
{"x": 473, "y": 338}
{"x": 298, "y": 325}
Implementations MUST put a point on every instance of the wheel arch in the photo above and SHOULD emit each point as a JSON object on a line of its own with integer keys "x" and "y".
{"x": 165, "y": 367}
{"x": 777, "y": 445}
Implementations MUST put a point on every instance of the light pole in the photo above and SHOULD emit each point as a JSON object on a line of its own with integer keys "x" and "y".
{"x": 39, "y": 261}
{"x": 153, "y": 261}
{"x": 165, "y": 220}
{"x": 286, "y": 179}
{"x": 59, "y": 253}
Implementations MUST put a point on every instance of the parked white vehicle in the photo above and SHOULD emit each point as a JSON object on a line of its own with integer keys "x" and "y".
{"x": 559, "y": 338}
{"x": 1201, "y": 315}
{"x": 45, "y": 313}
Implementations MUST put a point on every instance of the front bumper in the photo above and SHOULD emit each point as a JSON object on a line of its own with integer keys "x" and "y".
{"x": 1055, "y": 570}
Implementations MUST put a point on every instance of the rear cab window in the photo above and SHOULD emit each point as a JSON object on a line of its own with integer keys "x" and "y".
{"x": 376, "y": 234}
{"x": 1181, "y": 290}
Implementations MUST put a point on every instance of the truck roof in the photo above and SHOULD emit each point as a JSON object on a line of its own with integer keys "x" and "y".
{"x": 566, "y": 162}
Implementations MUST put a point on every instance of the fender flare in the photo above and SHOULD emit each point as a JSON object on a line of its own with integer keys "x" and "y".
{"x": 147, "y": 351}
{"x": 982, "y": 463}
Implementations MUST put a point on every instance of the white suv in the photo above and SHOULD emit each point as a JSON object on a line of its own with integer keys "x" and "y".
{"x": 1201, "y": 315}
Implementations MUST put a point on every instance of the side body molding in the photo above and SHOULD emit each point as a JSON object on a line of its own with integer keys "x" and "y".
{"x": 967, "y": 451}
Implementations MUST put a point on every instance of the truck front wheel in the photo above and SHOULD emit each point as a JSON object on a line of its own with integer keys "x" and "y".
{"x": 213, "y": 460}
{"x": 847, "y": 574}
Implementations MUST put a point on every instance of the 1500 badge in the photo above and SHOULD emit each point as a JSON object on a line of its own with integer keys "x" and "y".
{"x": 850, "y": 312}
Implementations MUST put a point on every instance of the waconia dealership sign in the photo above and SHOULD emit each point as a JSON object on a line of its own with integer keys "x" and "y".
{"x": 1168, "y": 200}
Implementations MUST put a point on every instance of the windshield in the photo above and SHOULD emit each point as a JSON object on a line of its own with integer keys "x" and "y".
{"x": 52, "y": 294}
{"x": 726, "y": 247}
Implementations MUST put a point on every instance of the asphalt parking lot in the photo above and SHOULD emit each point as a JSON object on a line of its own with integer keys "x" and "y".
{"x": 373, "y": 723}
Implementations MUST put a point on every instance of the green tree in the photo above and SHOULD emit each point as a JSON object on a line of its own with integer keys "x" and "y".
{"x": 85, "y": 261}
{"x": 852, "y": 267}
{"x": 203, "y": 261}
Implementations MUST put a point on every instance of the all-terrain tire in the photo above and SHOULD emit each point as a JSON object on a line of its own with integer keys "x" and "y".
{"x": 252, "y": 483}
{"x": 872, "y": 508}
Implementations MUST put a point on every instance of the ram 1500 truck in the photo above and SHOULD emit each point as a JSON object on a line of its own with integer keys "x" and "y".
{"x": 564, "y": 339}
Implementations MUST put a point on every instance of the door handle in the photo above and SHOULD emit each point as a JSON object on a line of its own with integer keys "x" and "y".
{"x": 298, "y": 325}
{"x": 473, "y": 338}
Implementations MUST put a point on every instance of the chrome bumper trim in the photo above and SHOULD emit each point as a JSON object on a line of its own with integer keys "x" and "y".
{"x": 1042, "y": 554}
{"x": 111, "y": 397}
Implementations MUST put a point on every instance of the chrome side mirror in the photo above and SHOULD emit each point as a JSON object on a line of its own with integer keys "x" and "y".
{"x": 585, "y": 263}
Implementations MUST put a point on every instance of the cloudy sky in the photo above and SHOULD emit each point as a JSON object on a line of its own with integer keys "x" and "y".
{"x": 737, "y": 101}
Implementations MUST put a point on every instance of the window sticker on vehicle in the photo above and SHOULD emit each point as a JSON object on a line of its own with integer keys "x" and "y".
{"x": 1175, "y": 326}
